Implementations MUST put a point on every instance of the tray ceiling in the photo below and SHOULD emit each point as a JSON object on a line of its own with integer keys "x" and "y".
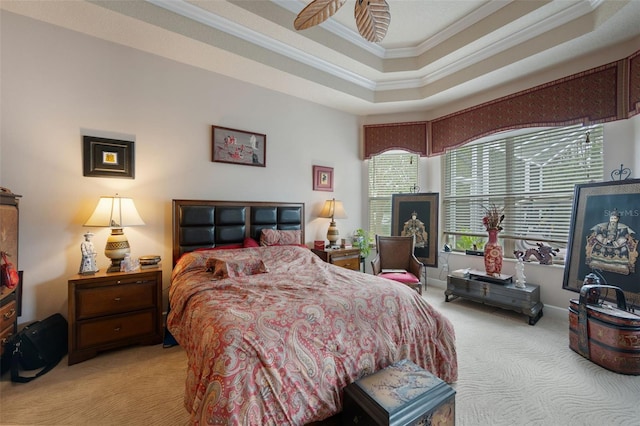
{"x": 435, "y": 53}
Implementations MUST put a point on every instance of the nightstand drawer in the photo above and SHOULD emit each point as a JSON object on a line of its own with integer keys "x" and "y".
{"x": 4, "y": 336}
{"x": 115, "y": 329}
{"x": 349, "y": 262}
{"x": 97, "y": 301}
{"x": 8, "y": 314}
{"x": 345, "y": 258}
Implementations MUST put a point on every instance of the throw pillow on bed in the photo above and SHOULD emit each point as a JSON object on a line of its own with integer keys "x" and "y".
{"x": 271, "y": 237}
{"x": 239, "y": 267}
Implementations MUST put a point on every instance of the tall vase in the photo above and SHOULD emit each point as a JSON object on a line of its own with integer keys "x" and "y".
{"x": 493, "y": 254}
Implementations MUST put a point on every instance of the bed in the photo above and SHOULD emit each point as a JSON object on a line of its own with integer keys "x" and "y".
{"x": 272, "y": 333}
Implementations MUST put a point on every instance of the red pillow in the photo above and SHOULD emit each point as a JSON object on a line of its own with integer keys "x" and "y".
{"x": 250, "y": 242}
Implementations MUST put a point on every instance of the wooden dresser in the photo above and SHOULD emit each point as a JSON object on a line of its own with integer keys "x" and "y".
{"x": 9, "y": 298}
{"x": 347, "y": 258}
{"x": 107, "y": 311}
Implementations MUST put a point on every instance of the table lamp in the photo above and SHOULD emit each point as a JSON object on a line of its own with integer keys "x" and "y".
{"x": 333, "y": 209}
{"x": 115, "y": 212}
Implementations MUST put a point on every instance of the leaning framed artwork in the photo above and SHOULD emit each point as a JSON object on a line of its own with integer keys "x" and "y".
{"x": 238, "y": 147}
{"x": 417, "y": 215}
{"x": 322, "y": 178}
{"x": 102, "y": 157}
{"x": 603, "y": 237}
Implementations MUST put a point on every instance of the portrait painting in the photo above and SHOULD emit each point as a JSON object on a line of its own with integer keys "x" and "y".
{"x": 604, "y": 236}
{"x": 417, "y": 215}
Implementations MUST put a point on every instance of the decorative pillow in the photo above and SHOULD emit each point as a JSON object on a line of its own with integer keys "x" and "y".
{"x": 250, "y": 242}
{"x": 239, "y": 267}
{"x": 272, "y": 237}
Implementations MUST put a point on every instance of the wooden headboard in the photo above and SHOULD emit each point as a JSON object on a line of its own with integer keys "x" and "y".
{"x": 204, "y": 223}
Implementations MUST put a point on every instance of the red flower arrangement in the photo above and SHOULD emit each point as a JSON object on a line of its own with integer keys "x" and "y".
{"x": 493, "y": 217}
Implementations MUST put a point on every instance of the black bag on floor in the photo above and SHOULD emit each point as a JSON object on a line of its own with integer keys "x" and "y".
{"x": 39, "y": 345}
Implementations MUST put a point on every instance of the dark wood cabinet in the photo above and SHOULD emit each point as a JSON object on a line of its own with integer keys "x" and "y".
{"x": 107, "y": 311}
{"x": 502, "y": 295}
{"x": 9, "y": 298}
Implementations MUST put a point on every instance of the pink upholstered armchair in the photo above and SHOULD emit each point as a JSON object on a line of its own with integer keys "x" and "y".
{"x": 395, "y": 260}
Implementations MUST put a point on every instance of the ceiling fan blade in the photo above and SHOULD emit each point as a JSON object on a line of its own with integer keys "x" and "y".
{"x": 316, "y": 13}
{"x": 372, "y": 19}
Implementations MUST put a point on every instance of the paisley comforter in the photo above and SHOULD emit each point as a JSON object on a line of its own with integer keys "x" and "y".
{"x": 276, "y": 345}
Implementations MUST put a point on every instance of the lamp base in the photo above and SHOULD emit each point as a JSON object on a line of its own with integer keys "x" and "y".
{"x": 115, "y": 265}
{"x": 117, "y": 248}
{"x": 333, "y": 235}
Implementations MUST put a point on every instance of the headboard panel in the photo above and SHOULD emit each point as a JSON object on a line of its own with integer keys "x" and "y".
{"x": 204, "y": 224}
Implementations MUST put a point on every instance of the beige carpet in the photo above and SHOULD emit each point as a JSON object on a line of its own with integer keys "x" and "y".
{"x": 510, "y": 373}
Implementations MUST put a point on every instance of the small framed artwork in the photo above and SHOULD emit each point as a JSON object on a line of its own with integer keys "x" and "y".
{"x": 107, "y": 158}
{"x": 322, "y": 178}
{"x": 603, "y": 236}
{"x": 238, "y": 147}
{"x": 417, "y": 215}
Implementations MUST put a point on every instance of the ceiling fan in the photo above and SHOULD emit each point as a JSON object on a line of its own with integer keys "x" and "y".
{"x": 372, "y": 16}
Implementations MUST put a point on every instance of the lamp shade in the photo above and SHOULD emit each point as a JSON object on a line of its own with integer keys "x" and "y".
{"x": 333, "y": 209}
{"x": 115, "y": 212}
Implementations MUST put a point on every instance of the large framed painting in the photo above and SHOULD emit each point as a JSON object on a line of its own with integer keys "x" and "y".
{"x": 603, "y": 238}
{"x": 417, "y": 214}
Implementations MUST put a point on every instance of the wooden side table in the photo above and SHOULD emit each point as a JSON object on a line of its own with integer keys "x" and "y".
{"x": 346, "y": 258}
{"x": 107, "y": 311}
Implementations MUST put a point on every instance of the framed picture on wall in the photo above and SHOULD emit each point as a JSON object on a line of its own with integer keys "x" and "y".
{"x": 238, "y": 147}
{"x": 102, "y": 157}
{"x": 322, "y": 178}
{"x": 417, "y": 215}
{"x": 603, "y": 237}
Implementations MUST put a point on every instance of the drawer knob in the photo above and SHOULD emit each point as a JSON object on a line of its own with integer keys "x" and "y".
{"x": 117, "y": 299}
{"x": 9, "y": 314}
{"x": 117, "y": 329}
{"x": 5, "y": 339}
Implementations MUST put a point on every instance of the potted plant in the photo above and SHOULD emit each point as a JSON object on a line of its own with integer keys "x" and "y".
{"x": 362, "y": 240}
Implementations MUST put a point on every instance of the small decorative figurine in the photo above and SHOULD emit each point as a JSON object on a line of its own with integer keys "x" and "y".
{"x": 543, "y": 253}
{"x": 88, "y": 265}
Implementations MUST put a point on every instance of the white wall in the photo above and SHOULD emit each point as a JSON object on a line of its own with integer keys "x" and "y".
{"x": 58, "y": 85}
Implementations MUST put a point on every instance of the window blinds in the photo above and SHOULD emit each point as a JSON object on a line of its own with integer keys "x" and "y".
{"x": 531, "y": 175}
{"x": 389, "y": 173}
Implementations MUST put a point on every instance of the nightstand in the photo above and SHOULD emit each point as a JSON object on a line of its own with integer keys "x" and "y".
{"x": 347, "y": 258}
{"x": 8, "y": 322}
{"x": 107, "y": 311}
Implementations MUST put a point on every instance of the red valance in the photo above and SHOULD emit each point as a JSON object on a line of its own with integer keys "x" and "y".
{"x": 606, "y": 93}
{"x": 411, "y": 137}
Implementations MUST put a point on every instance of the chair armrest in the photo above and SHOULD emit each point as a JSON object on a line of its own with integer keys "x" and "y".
{"x": 415, "y": 267}
{"x": 375, "y": 265}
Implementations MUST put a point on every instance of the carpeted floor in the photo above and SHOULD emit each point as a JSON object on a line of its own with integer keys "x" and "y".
{"x": 510, "y": 373}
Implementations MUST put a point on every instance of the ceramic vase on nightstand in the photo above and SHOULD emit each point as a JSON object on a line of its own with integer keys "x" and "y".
{"x": 493, "y": 254}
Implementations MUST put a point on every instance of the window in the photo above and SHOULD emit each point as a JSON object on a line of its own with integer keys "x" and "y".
{"x": 532, "y": 175}
{"x": 392, "y": 172}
